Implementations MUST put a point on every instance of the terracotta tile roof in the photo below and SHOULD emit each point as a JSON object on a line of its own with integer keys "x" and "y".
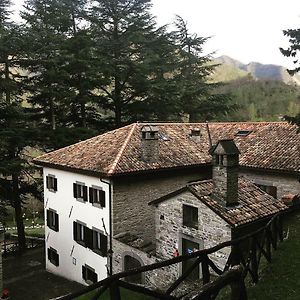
{"x": 254, "y": 203}
{"x": 269, "y": 145}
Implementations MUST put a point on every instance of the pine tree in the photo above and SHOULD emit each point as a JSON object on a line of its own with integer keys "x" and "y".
{"x": 122, "y": 31}
{"x": 197, "y": 97}
{"x": 294, "y": 52}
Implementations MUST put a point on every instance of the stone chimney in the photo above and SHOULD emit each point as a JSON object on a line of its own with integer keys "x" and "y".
{"x": 150, "y": 143}
{"x": 225, "y": 159}
{"x": 195, "y": 134}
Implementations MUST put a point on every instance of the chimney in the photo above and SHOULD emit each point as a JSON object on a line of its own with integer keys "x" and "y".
{"x": 150, "y": 143}
{"x": 195, "y": 134}
{"x": 225, "y": 160}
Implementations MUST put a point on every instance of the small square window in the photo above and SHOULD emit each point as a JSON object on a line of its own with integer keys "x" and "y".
{"x": 190, "y": 216}
{"x": 51, "y": 183}
{"x": 97, "y": 196}
{"x": 80, "y": 191}
{"x": 269, "y": 189}
{"x": 89, "y": 275}
{"x": 52, "y": 220}
{"x": 53, "y": 256}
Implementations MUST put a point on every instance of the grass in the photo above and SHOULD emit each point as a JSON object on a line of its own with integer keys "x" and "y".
{"x": 34, "y": 232}
{"x": 125, "y": 294}
{"x": 280, "y": 278}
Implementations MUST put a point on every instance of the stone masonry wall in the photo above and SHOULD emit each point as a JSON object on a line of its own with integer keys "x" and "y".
{"x": 285, "y": 184}
{"x": 131, "y": 196}
{"x": 211, "y": 231}
{"x": 160, "y": 278}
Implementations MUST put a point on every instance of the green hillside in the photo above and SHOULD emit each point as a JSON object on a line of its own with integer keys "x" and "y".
{"x": 225, "y": 73}
{"x": 262, "y": 100}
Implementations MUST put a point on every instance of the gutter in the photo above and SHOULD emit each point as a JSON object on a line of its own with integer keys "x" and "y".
{"x": 110, "y": 251}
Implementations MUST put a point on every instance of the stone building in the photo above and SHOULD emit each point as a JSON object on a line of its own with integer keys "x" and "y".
{"x": 200, "y": 215}
{"x": 138, "y": 163}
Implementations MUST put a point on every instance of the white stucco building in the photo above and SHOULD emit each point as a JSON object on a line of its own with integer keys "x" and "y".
{"x": 77, "y": 216}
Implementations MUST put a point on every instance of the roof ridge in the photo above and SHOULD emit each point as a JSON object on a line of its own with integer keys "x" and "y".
{"x": 204, "y": 123}
{"x": 119, "y": 155}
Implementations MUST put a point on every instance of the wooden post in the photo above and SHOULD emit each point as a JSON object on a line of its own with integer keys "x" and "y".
{"x": 254, "y": 264}
{"x": 205, "y": 270}
{"x": 280, "y": 228}
{"x": 114, "y": 291}
{"x": 268, "y": 244}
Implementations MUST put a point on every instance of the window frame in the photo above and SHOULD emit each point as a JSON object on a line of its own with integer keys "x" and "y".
{"x": 51, "y": 183}
{"x": 52, "y": 219}
{"x": 99, "y": 194}
{"x": 188, "y": 216}
{"x": 79, "y": 233}
{"x": 86, "y": 271}
{"x": 53, "y": 256}
{"x": 80, "y": 191}
{"x": 99, "y": 242}
{"x": 269, "y": 189}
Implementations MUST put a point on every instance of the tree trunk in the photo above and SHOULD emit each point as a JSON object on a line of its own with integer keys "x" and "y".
{"x": 7, "y": 89}
{"x": 18, "y": 213}
{"x": 52, "y": 115}
{"x": 83, "y": 114}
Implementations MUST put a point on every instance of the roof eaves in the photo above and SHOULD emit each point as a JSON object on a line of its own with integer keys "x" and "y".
{"x": 168, "y": 196}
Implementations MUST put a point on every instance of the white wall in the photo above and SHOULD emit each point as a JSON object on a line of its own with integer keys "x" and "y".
{"x": 63, "y": 202}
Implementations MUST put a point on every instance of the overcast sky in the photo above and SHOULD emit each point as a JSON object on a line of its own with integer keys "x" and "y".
{"x": 247, "y": 30}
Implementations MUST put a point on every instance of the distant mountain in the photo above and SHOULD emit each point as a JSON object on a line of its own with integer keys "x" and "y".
{"x": 231, "y": 69}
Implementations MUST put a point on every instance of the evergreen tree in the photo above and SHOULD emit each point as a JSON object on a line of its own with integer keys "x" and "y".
{"x": 294, "y": 52}
{"x": 198, "y": 98}
{"x": 15, "y": 134}
{"x": 122, "y": 31}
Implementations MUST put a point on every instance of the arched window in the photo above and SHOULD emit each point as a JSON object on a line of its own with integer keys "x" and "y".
{"x": 132, "y": 263}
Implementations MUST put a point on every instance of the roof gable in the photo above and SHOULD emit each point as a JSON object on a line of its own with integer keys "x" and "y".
{"x": 254, "y": 204}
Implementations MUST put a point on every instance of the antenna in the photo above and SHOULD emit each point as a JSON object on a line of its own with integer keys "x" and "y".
{"x": 209, "y": 136}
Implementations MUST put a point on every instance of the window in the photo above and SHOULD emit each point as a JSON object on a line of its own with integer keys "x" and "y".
{"x": 53, "y": 257}
{"x": 52, "y": 220}
{"x": 80, "y": 191}
{"x": 190, "y": 216}
{"x": 97, "y": 196}
{"x": 271, "y": 190}
{"x": 99, "y": 243}
{"x": 81, "y": 234}
{"x": 89, "y": 275}
{"x": 220, "y": 160}
{"x": 51, "y": 183}
{"x": 243, "y": 132}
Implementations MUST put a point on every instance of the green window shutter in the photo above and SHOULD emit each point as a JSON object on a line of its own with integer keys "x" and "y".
{"x": 85, "y": 196}
{"x": 91, "y": 195}
{"x": 102, "y": 198}
{"x": 88, "y": 237}
{"x": 75, "y": 231}
{"x": 84, "y": 272}
{"x": 47, "y": 182}
{"x": 56, "y": 222}
{"x": 48, "y": 217}
{"x": 75, "y": 190}
{"x": 103, "y": 244}
{"x": 55, "y": 184}
{"x": 56, "y": 259}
